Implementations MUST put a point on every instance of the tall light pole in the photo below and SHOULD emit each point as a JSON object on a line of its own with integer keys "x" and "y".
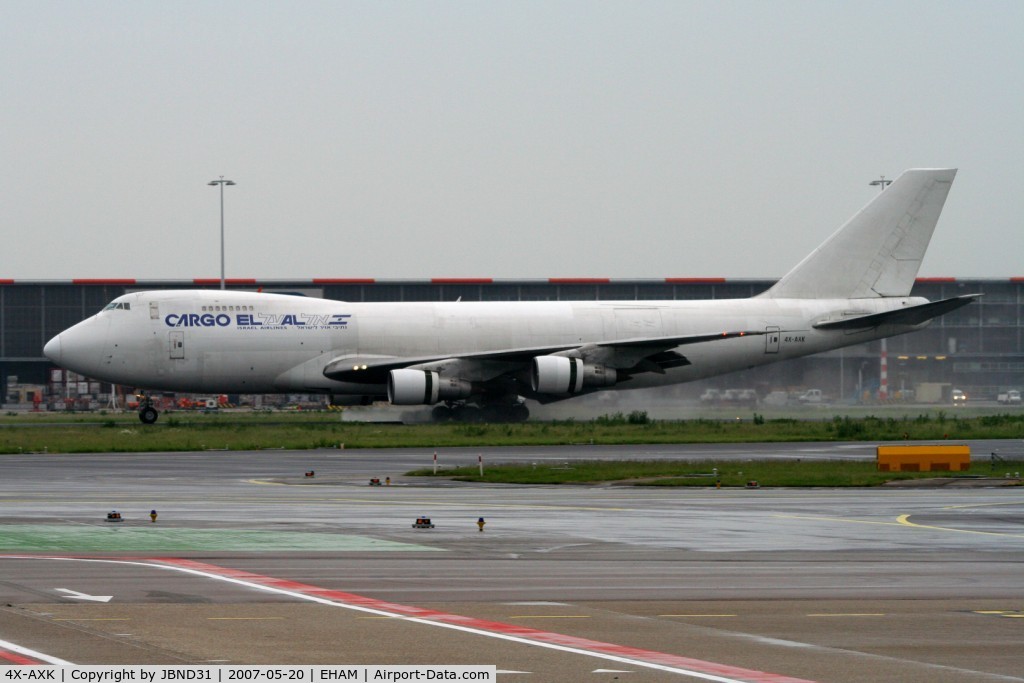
{"x": 883, "y": 367}
{"x": 222, "y": 183}
{"x": 880, "y": 183}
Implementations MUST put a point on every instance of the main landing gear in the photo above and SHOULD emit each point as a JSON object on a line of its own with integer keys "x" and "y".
{"x": 504, "y": 411}
{"x": 147, "y": 413}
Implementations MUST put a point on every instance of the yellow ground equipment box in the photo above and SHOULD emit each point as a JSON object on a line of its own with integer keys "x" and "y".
{"x": 924, "y": 458}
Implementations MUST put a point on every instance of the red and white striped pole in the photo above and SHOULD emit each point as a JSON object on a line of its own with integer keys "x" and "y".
{"x": 883, "y": 385}
{"x": 435, "y": 462}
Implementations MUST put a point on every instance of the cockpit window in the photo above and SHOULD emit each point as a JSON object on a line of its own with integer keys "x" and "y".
{"x": 118, "y": 306}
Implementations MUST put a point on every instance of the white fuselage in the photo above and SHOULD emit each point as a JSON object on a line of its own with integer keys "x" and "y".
{"x": 853, "y": 288}
{"x": 241, "y": 342}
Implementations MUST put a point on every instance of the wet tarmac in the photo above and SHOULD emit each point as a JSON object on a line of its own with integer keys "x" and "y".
{"x": 250, "y": 561}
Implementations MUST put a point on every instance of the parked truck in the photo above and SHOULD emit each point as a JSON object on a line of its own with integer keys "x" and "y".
{"x": 812, "y": 396}
{"x": 1011, "y": 397}
{"x": 934, "y": 392}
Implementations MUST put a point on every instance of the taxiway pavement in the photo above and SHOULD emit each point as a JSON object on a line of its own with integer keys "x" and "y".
{"x": 250, "y": 561}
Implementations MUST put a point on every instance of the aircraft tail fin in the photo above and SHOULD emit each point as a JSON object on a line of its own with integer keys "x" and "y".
{"x": 877, "y": 252}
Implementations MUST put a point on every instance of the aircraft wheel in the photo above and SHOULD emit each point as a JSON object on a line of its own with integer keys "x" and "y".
{"x": 441, "y": 414}
{"x": 493, "y": 413}
{"x": 148, "y": 415}
{"x": 520, "y": 413}
{"x": 467, "y": 414}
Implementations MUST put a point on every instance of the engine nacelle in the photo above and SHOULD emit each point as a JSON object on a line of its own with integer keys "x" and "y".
{"x": 422, "y": 387}
{"x": 561, "y": 375}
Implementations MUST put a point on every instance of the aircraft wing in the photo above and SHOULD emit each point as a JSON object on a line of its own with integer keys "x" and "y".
{"x": 912, "y": 315}
{"x": 641, "y": 354}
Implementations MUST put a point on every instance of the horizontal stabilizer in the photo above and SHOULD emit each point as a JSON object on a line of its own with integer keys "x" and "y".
{"x": 914, "y": 315}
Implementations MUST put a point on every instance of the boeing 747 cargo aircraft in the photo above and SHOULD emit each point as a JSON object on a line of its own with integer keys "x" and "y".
{"x": 480, "y": 360}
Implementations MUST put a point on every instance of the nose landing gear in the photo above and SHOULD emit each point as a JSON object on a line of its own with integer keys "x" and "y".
{"x": 147, "y": 413}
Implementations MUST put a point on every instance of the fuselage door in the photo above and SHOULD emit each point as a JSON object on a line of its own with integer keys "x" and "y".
{"x": 771, "y": 339}
{"x": 177, "y": 344}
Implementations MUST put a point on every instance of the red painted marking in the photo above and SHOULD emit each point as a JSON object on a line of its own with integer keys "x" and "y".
{"x": 579, "y": 280}
{"x": 1012, "y": 279}
{"x": 343, "y": 281}
{"x": 6, "y": 282}
{"x": 103, "y": 281}
{"x": 15, "y": 658}
{"x": 935, "y": 279}
{"x": 523, "y": 632}
{"x": 461, "y": 280}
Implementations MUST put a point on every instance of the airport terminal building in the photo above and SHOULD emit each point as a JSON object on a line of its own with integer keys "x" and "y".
{"x": 978, "y": 348}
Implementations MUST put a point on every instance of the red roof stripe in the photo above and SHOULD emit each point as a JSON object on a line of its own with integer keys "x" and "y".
{"x": 936, "y": 279}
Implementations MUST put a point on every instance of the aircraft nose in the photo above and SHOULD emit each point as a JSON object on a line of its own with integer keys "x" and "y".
{"x": 79, "y": 348}
{"x": 52, "y": 350}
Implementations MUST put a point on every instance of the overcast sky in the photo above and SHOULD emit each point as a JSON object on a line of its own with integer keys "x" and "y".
{"x": 497, "y": 139}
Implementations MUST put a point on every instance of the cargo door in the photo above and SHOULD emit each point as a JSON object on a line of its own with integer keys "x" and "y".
{"x": 177, "y": 344}
{"x": 771, "y": 339}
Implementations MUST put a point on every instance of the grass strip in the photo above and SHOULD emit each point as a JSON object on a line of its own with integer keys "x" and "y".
{"x": 305, "y": 431}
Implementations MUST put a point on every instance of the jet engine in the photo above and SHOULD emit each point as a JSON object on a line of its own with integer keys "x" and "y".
{"x": 561, "y": 375}
{"x": 422, "y": 387}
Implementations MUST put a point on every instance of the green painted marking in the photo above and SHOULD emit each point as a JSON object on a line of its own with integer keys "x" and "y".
{"x": 76, "y": 538}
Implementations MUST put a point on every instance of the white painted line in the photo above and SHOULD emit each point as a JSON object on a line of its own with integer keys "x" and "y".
{"x": 75, "y": 595}
{"x": 298, "y": 595}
